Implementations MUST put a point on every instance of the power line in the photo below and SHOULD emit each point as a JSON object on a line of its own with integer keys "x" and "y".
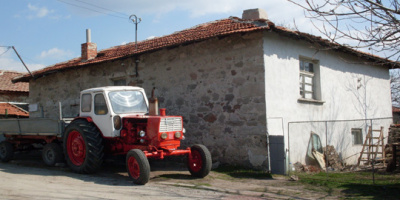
{"x": 94, "y": 10}
{"x": 123, "y": 14}
{"x": 8, "y": 48}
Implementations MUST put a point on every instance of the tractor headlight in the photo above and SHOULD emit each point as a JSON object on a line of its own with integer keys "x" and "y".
{"x": 117, "y": 122}
{"x": 164, "y": 136}
{"x": 142, "y": 133}
{"x": 178, "y": 134}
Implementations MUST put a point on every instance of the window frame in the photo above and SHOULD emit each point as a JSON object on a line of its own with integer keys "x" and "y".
{"x": 84, "y": 104}
{"x": 98, "y": 106}
{"x": 359, "y": 136}
{"x": 312, "y": 73}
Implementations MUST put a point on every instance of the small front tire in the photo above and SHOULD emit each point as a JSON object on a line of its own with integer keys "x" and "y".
{"x": 138, "y": 166}
{"x": 199, "y": 162}
{"x": 52, "y": 153}
{"x": 6, "y": 151}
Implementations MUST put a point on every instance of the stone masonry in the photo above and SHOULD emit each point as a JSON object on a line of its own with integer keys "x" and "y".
{"x": 217, "y": 86}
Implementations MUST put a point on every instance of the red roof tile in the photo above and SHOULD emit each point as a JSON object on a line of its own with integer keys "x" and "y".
{"x": 199, "y": 33}
{"x": 12, "y": 110}
{"x": 7, "y": 86}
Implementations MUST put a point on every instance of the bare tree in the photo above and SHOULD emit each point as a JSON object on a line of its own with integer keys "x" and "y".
{"x": 365, "y": 24}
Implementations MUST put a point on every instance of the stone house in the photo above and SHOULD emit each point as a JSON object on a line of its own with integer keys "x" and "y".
{"x": 235, "y": 81}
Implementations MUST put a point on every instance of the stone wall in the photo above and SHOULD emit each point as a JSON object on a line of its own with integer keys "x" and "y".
{"x": 216, "y": 85}
{"x": 394, "y": 134}
{"x": 14, "y": 97}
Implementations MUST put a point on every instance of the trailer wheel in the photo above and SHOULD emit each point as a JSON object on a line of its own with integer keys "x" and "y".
{"x": 138, "y": 166}
{"x": 52, "y": 153}
{"x": 199, "y": 162}
{"x": 83, "y": 147}
{"x": 6, "y": 151}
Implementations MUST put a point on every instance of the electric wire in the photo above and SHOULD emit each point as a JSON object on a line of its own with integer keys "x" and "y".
{"x": 123, "y": 14}
{"x": 8, "y": 48}
{"x": 94, "y": 10}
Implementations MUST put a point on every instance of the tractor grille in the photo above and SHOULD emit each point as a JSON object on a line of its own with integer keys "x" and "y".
{"x": 171, "y": 124}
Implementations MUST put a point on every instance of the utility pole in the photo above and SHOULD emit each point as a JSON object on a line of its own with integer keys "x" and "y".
{"x": 136, "y": 21}
{"x": 21, "y": 60}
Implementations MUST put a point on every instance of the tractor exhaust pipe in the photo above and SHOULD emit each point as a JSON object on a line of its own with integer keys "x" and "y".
{"x": 153, "y": 104}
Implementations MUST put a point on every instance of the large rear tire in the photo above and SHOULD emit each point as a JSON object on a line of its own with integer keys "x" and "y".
{"x": 138, "y": 166}
{"x": 199, "y": 162}
{"x": 83, "y": 147}
{"x": 52, "y": 153}
{"x": 6, "y": 151}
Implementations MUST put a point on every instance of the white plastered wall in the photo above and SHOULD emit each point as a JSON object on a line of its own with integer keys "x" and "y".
{"x": 349, "y": 90}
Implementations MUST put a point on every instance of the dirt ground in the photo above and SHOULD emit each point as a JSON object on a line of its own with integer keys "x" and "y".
{"x": 27, "y": 177}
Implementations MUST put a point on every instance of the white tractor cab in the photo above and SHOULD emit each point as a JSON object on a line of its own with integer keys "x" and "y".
{"x": 107, "y": 105}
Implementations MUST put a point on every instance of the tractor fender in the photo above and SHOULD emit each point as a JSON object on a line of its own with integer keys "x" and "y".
{"x": 88, "y": 119}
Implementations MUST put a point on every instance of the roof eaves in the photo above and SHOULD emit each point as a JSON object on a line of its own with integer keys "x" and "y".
{"x": 328, "y": 45}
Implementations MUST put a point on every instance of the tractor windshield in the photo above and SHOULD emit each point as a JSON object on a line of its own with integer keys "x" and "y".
{"x": 128, "y": 102}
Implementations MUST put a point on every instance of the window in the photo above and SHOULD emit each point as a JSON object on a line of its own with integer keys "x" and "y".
{"x": 100, "y": 106}
{"x": 309, "y": 79}
{"x": 314, "y": 144}
{"x": 119, "y": 82}
{"x": 128, "y": 102}
{"x": 357, "y": 136}
{"x": 86, "y": 103}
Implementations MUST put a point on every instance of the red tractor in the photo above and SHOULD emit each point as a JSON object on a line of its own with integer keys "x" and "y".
{"x": 115, "y": 120}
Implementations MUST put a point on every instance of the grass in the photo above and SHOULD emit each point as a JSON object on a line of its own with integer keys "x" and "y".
{"x": 240, "y": 172}
{"x": 354, "y": 184}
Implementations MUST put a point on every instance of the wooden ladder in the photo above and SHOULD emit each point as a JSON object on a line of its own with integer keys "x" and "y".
{"x": 373, "y": 145}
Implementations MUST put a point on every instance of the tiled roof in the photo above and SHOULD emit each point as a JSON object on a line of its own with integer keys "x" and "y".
{"x": 7, "y": 86}
{"x": 201, "y": 32}
{"x": 12, "y": 110}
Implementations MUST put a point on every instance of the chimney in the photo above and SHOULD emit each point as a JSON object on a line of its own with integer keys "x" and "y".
{"x": 255, "y": 14}
{"x": 89, "y": 49}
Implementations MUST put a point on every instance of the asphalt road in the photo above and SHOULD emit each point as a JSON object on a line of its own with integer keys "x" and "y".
{"x": 27, "y": 177}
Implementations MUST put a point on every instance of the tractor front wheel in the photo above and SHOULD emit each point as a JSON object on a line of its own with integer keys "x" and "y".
{"x": 199, "y": 162}
{"x": 52, "y": 153}
{"x": 6, "y": 151}
{"x": 138, "y": 166}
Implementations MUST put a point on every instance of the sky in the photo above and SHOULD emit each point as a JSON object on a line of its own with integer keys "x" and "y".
{"x": 46, "y": 32}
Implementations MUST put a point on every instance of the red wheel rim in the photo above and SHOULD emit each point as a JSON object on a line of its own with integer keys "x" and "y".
{"x": 76, "y": 148}
{"x": 196, "y": 162}
{"x": 133, "y": 167}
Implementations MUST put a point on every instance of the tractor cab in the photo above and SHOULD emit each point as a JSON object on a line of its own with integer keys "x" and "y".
{"x": 107, "y": 105}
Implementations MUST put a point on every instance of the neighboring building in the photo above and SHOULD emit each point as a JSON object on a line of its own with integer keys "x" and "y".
{"x": 8, "y": 110}
{"x": 13, "y": 94}
{"x": 237, "y": 83}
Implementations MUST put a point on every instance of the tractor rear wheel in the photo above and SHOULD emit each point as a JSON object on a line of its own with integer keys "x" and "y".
{"x": 83, "y": 147}
{"x": 52, "y": 153}
{"x": 6, "y": 151}
{"x": 199, "y": 162}
{"x": 138, "y": 166}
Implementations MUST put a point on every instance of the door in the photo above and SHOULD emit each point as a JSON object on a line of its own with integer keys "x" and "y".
{"x": 102, "y": 116}
{"x": 277, "y": 154}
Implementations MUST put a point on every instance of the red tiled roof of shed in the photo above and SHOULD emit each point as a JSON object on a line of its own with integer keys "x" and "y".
{"x": 12, "y": 110}
{"x": 7, "y": 86}
{"x": 202, "y": 32}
